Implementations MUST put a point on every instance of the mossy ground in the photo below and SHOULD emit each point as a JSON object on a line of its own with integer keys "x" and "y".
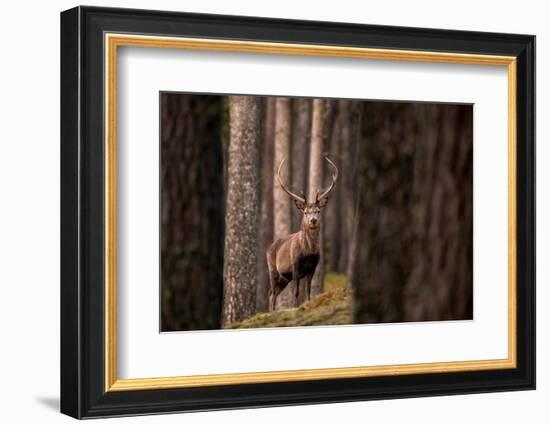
{"x": 332, "y": 307}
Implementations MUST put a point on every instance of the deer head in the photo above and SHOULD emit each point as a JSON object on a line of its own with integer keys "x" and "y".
{"x": 310, "y": 210}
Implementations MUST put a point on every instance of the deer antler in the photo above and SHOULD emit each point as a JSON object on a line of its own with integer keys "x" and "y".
{"x": 293, "y": 195}
{"x": 324, "y": 194}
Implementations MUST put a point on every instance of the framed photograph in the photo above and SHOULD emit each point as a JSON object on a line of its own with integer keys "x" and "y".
{"x": 260, "y": 212}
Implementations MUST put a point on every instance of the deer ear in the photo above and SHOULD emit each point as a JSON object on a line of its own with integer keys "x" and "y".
{"x": 301, "y": 205}
{"x": 323, "y": 202}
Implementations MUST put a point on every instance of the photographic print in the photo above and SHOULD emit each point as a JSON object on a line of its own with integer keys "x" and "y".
{"x": 284, "y": 212}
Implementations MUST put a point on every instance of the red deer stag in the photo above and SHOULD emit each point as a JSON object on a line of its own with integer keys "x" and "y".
{"x": 295, "y": 257}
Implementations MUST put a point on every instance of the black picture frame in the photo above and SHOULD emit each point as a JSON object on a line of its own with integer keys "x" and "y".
{"x": 83, "y": 392}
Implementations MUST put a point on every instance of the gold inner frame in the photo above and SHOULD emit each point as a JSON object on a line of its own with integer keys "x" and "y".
{"x": 113, "y": 41}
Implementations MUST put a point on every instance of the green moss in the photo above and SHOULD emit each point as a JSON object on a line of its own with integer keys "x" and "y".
{"x": 335, "y": 281}
{"x": 332, "y": 307}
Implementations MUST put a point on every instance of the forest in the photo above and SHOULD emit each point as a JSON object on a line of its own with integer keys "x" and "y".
{"x": 384, "y": 187}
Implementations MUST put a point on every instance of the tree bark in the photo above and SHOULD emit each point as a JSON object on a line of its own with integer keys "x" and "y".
{"x": 384, "y": 257}
{"x": 301, "y": 126}
{"x": 242, "y": 209}
{"x": 282, "y": 151}
{"x": 352, "y": 201}
{"x": 191, "y": 212}
{"x": 266, "y": 208}
{"x": 332, "y": 214}
{"x": 350, "y": 118}
{"x": 316, "y": 181}
{"x": 281, "y": 201}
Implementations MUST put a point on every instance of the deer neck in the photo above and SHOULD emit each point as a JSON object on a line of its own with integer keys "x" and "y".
{"x": 310, "y": 239}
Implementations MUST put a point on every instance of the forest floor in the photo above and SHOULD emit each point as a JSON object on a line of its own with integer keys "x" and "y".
{"x": 332, "y": 307}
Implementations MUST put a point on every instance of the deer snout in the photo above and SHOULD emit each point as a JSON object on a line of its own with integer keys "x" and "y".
{"x": 313, "y": 221}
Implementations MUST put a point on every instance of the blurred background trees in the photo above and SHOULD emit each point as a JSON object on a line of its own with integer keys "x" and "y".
{"x": 415, "y": 217}
{"x": 397, "y": 231}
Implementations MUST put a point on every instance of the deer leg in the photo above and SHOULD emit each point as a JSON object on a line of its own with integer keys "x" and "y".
{"x": 274, "y": 290}
{"x": 296, "y": 279}
{"x": 274, "y": 296}
{"x": 308, "y": 286}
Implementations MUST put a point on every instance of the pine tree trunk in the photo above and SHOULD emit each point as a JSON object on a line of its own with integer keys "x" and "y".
{"x": 349, "y": 111}
{"x": 383, "y": 257}
{"x": 282, "y": 202}
{"x": 352, "y": 200}
{"x": 242, "y": 209}
{"x": 332, "y": 214}
{"x": 266, "y": 209}
{"x": 301, "y": 126}
{"x": 316, "y": 180}
{"x": 191, "y": 216}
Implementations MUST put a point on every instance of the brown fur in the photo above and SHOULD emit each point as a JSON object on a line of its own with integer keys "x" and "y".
{"x": 294, "y": 257}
